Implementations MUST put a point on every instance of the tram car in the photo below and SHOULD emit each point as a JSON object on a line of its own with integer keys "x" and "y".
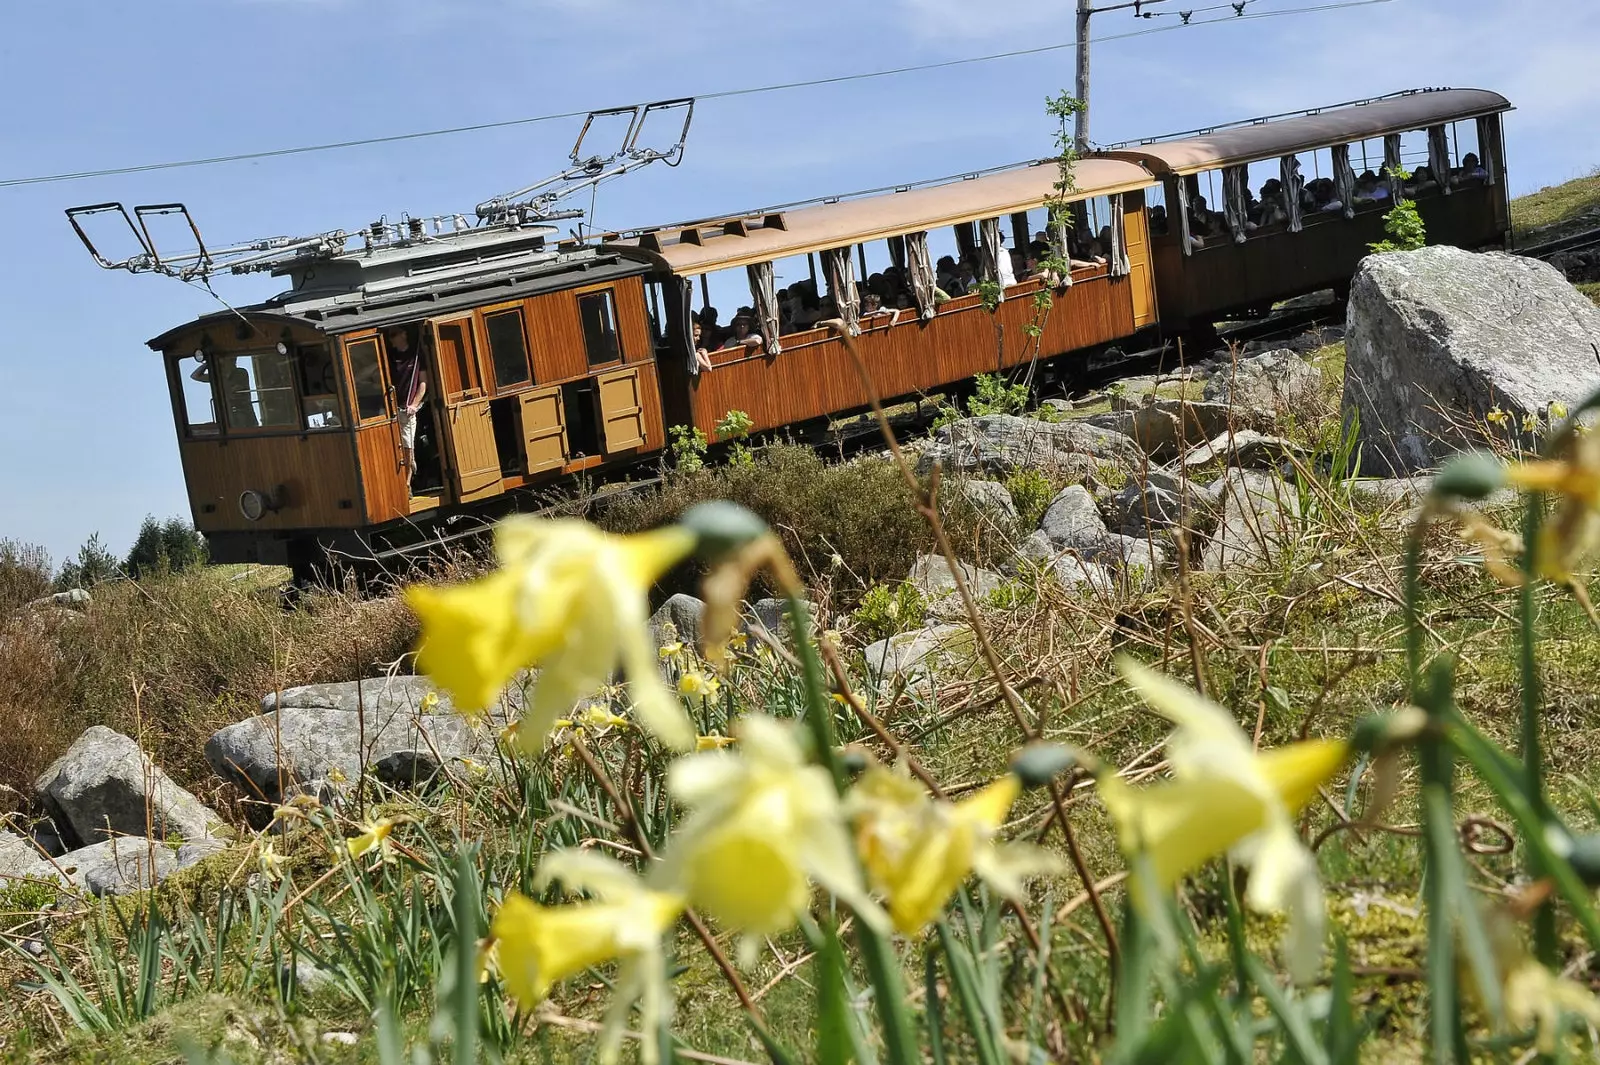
{"x": 416, "y": 380}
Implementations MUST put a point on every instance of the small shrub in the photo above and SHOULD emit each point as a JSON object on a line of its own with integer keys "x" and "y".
{"x": 887, "y": 609}
{"x": 1031, "y": 492}
{"x": 24, "y": 574}
{"x": 1404, "y": 225}
{"x": 735, "y": 428}
{"x": 688, "y": 448}
{"x": 993, "y": 395}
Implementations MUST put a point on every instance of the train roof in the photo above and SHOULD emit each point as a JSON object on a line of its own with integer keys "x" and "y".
{"x": 716, "y": 245}
{"x": 454, "y": 287}
{"x": 1270, "y": 139}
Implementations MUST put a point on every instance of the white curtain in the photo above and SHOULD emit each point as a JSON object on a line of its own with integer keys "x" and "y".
{"x": 1289, "y": 175}
{"x": 919, "y": 272}
{"x": 1391, "y": 163}
{"x": 1118, "y": 252}
{"x": 1235, "y": 182}
{"x": 1489, "y": 147}
{"x": 989, "y": 252}
{"x": 1439, "y": 156}
{"x": 1182, "y": 185}
{"x": 764, "y": 297}
{"x": 1344, "y": 176}
{"x": 842, "y": 286}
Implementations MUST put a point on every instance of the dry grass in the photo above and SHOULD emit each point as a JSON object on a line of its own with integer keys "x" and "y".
{"x": 1557, "y": 210}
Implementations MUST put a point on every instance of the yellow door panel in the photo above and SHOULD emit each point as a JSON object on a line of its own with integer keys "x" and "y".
{"x": 621, "y": 412}
{"x": 544, "y": 430}
{"x": 472, "y": 449}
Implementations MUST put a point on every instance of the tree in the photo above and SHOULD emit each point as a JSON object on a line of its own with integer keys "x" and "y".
{"x": 165, "y": 546}
{"x": 1404, "y": 225}
{"x": 93, "y": 565}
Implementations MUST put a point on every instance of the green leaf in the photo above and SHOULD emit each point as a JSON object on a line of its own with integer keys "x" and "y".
{"x": 834, "y": 1017}
{"x": 968, "y": 995}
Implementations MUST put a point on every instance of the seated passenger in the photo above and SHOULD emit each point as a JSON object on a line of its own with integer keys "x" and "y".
{"x": 702, "y": 357}
{"x": 946, "y": 276}
{"x": 1381, "y": 192}
{"x": 1470, "y": 170}
{"x": 1327, "y": 196}
{"x": 1158, "y": 219}
{"x": 1422, "y": 180}
{"x": 872, "y": 307}
{"x": 713, "y": 333}
{"x": 742, "y": 336}
{"x": 1365, "y": 184}
{"x": 1002, "y": 264}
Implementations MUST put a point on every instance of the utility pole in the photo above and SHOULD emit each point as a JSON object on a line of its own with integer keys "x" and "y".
{"x": 1081, "y": 90}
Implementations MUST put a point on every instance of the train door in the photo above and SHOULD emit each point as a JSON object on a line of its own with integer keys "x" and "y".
{"x": 1136, "y": 236}
{"x": 617, "y": 392}
{"x": 544, "y": 430}
{"x": 468, "y": 426}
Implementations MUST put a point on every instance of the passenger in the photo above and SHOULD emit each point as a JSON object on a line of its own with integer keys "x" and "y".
{"x": 1002, "y": 262}
{"x": 1327, "y": 196}
{"x": 235, "y": 390}
{"x": 805, "y": 309}
{"x": 409, "y": 379}
{"x": 966, "y": 276}
{"x": 1422, "y": 180}
{"x": 1365, "y": 184}
{"x": 714, "y": 334}
{"x": 946, "y": 276}
{"x": 742, "y": 336}
{"x": 1158, "y": 219}
{"x": 1380, "y": 192}
{"x": 1273, "y": 210}
{"x": 872, "y": 307}
{"x": 1471, "y": 169}
{"x": 702, "y": 357}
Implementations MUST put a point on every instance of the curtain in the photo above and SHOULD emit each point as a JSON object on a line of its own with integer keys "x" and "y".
{"x": 1344, "y": 176}
{"x": 1489, "y": 147}
{"x": 764, "y": 297}
{"x": 1392, "y": 164}
{"x": 1183, "y": 216}
{"x": 678, "y": 295}
{"x": 989, "y": 252}
{"x": 919, "y": 273}
{"x": 1439, "y": 156}
{"x": 841, "y": 276}
{"x": 1058, "y": 243}
{"x": 1289, "y": 175}
{"x": 1235, "y": 180}
{"x": 897, "y": 252}
{"x": 1118, "y": 252}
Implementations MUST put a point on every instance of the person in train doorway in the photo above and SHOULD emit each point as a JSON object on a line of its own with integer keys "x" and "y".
{"x": 409, "y": 378}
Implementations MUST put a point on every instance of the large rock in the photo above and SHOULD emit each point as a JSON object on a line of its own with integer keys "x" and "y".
{"x": 919, "y": 656}
{"x": 20, "y": 859}
{"x": 319, "y": 729}
{"x": 997, "y": 444}
{"x": 106, "y": 786}
{"x": 1072, "y": 521}
{"x": 931, "y": 575}
{"x": 1037, "y": 553}
{"x": 1258, "y": 518}
{"x": 1439, "y": 337}
{"x": 1274, "y": 380}
{"x": 992, "y": 501}
{"x": 1245, "y": 449}
{"x": 119, "y": 866}
{"x": 1141, "y": 509}
{"x": 684, "y": 614}
{"x": 1165, "y": 428}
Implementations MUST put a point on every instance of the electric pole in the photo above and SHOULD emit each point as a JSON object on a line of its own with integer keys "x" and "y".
{"x": 1081, "y": 90}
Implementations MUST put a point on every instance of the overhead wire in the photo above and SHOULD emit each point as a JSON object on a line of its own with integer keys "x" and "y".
{"x": 478, "y": 127}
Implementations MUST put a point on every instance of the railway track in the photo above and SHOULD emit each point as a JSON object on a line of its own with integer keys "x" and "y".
{"x": 1589, "y": 238}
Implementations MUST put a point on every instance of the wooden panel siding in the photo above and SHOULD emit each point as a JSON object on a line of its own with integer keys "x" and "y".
{"x": 383, "y": 480}
{"x": 814, "y": 376}
{"x": 316, "y": 470}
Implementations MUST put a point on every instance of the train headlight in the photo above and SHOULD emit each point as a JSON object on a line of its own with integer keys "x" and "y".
{"x": 253, "y": 504}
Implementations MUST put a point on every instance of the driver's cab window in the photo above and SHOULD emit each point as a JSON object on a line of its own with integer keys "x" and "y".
{"x": 257, "y": 389}
{"x": 199, "y": 402}
{"x": 318, "y": 386}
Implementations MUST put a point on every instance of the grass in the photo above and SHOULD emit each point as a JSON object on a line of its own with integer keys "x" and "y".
{"x": 1592, "y": 290}
{"x": 1306, "y": 643}
{"x": 1557, "y": 210}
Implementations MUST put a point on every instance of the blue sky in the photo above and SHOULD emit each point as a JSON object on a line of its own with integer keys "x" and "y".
{"x": 85, "y": 425}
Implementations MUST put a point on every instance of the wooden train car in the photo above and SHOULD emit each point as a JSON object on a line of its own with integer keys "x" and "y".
{"x": 544, "y": 358}
{"x": 1240, "y": 265}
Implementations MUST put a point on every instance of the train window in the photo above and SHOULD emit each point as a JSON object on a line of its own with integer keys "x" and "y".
{"x": 319, "y": 391}
{"x": 1155, "y": 202}
{"x": 458, "y": 361}
{"x": 366, "y": 372}
{"x": 508, "y": 347}
{"x": 598, "y": 311}
{"x": 199, "y": 402}
{"x": 258, "y": 390}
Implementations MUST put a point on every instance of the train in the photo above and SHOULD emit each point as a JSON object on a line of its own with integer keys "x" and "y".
{"x": 546, "y": 357}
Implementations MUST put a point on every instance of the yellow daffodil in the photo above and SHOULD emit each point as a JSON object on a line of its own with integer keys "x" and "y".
{"x": 1226, "y": 797}
{"x": 1572, "y": 533}
{"x": 430, "y": 701}
{"x": 374, "y": 835}
{"x": 1557, "y": 410}
{"x": 670, "y": 651}
{"x": 697, "y": 687}
{"x": 917, "y": 850}
{"x": 1537, "y": 998}
{"x": 762, "y": 823}
{"x": 567, "y": 598}
{"x": 536, "y": 946}
{"x": 336, "y": 775}
{"x": 1496, "y": 416}
{"x": 713, "y": 742}
{"x": 598, "y": 717}
{"x": 299, "y": 808}
{"x": 271, "y": 862}
{"x": 1530, "y": 423}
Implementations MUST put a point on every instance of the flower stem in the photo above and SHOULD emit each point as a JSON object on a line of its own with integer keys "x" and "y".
{"x": 1544, "y": 923}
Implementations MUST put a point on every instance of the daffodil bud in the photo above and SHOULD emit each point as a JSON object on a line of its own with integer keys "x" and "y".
{"x": 1470, "y": 476}
{"x": 1380, "y": 732}
{"x": 1585, "y": 858}
{"x": 722, "y": 527}
{"x": 1039, "y": 763}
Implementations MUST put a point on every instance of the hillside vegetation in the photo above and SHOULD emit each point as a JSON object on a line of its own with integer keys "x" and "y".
{"x": 1557, "y": 210}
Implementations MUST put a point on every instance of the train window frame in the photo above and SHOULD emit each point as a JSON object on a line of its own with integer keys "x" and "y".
{"x": 470, "y": 366}
{"x": 179, "y": 377}
{"x": 330, "y": 405}
{"x": 618, "y": 353}
{"x": 498, "y": 311}
{"x": 291, "y": 420}
{"x": 352, "y": 382}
